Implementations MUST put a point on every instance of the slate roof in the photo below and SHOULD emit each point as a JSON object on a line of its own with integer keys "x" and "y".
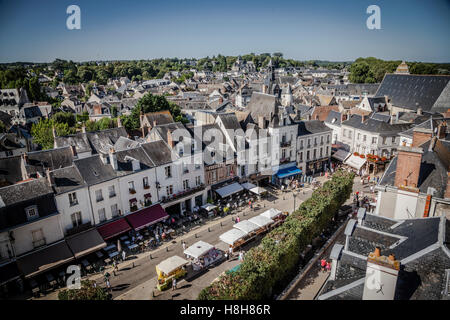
{"x": 262, "y": 104}
{"x": 312, "y": 127}
{"x": 159, "y": 152}
{"x": 414, "y": 91}
{"x": 39, "y": 161}
{"x": 125, "y": 164}
{"x": 162, "y": 117}
{"x": 17, "y": 197}
{"x": 94, "y": 171}
{"x": 164, "y": 129}
{"x": 78, "y": 140}
{"x": 421, "y": 277}
{"x": 10, "y": 169}
{"x": 67, "y": 179}
{"x": 334, "y": 118}
{"x": 125, "y": 143}
{"x": 381, "y": 117}
{"x": 101, "y": 141}
{"x": 373, "y": 125}
{"x": 229, "y": 121}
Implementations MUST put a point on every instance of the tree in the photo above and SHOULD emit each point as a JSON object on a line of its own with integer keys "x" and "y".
{"x": 86, "y": 292}
{"x": 34, "y": 89}
{"x": 42, "y": 132}
{"x": 64, "y": 117}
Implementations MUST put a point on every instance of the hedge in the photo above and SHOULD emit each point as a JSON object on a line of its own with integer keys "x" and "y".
{"x": 268, "y": 265}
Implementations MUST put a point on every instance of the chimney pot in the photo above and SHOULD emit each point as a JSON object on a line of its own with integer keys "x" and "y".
{"x": 377, "y": 252}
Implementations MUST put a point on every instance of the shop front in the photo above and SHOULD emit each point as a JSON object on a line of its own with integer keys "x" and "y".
{"x": 286, "y": 173}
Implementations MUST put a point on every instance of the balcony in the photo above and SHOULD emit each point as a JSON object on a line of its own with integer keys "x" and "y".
{"x": 285, "y": 144}
{"x": 132, "y": 191}
{"x": 185, "y": 170}
{"x": 146, "y": 186}
{"x": 284, "y": 160}
{"x": 79, "y": 228}
{"x": 182, "y": 194}
{"x": 73, "y": 203}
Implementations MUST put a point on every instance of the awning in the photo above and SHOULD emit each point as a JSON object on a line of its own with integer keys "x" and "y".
{"x": 209, "y": 207}
{"x": 133, "y": 200}
{"x": 231, "y": 236}
{"x": 341, "y": 155}
{"x": 198, "y": 249}
{"x": 112, "y": 229}
{"x": 85, "y": 242}
{"x": 9, "y": 272}
{"x": 283, "y": 173}
{"x": 229, "y": 190}
{"x": 258, "y": 190}
{"x": 248, "y": 185}
{"x": 355, "y": 162}
{"x": 261, "y": 221}
{"x": 271, "y": 213}
{"x": 45, "y": 259}
{"x": 171, "y": 264}
{"x": 246, "y": 226}
{"x": 146, "y": 217}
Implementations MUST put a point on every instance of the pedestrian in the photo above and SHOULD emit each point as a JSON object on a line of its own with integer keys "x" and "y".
{"x": 184, "y": 245}
{"x": 323, "y": 264}
{"x": 157, "y": 238}
{"x": 108, "y": 285}
{"x": 230, "y": 250}
{"x": 174, "y": 284}
{"x": 226, "y": 256}
{"x": 371, "y": 189}
{"x": 328, "y": 267}
{"x": 124, "y": 255}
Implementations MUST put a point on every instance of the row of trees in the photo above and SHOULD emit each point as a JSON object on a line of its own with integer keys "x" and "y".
{"x": 372, "y": 70}
{"x": 268, "y": 266}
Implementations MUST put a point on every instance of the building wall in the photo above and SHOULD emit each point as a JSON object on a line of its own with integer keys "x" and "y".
{"x": 107, "y": 201}
{"x": 66, "y": 210}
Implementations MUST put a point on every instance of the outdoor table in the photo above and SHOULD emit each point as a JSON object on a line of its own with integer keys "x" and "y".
{"x": 127, "y": 242}
{"x": 99, "y": 254}
{"x": 124, "y": 238}
{"x": 113, "y": 254}
{"x": 112, "y": 246}
{"x": 107, "y": 260}
{"x": 132, "y": 246}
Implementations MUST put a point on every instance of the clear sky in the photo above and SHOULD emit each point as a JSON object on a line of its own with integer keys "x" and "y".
{"x": 413, "y": 30}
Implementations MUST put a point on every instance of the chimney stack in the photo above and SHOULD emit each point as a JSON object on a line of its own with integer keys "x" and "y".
{"x": 261, "y": 122}
{"x": 343, "y": 116}
{"x": 381, "y": 276}
{"x": 50, "y": 180}
{"x": 409, "y": 161}
{"x": 419, "y": 111}
{"x": 308, "y": 117}
{"x": 442, "y": 130}
{"x": 363, "y": 118}
{"x": 420, "y": 136}
{"x": 74, "y": 151}
{"x": 113, "y": 159}
{"x": 169, "y": 139}
{"x": 25, "y": 158}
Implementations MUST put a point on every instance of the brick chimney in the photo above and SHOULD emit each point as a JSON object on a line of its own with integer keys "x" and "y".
{"x": 317, "y": 117}
{"x": 409, "y": 160}
{"x": 363, "y": 118}
{"x": 381, "y": 276}
{"x": 420, "y": 136}
{"x": 343, "y": 116}
{"x": 442, "y": 130}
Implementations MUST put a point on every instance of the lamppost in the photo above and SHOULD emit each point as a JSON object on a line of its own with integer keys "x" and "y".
{"x": 294, "y": 194}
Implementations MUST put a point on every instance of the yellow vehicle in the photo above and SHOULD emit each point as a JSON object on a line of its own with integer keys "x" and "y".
{"x": 169, "y": 269}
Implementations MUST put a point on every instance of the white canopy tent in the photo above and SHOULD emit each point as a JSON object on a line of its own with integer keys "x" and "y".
{"x": 261, "y": 221}
{"x": 209, "y": 207}
{"x": 171, "y": 264}
{"x": 229, "y": 190}
{"x": 246, "y": 226}
{"x": 258, "y": 190}
{"x": 355, "y": 162}
{"x": 230, "y": 237}
{"x": 248, "y": 185}
{"x": 198, "y": 249}
{"x": 271, "y": 213}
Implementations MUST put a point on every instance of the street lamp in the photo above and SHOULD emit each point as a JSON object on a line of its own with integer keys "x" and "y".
{"x": 294, "y": 194}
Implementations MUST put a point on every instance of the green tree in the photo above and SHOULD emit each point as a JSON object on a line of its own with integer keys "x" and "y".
{"x": 42, "y": 132}
{"x": 64, "y": 117}
{"x": 86, "y": 292}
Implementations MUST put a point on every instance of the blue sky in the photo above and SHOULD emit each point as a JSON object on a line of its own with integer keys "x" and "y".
{"x": 413, "y": 30}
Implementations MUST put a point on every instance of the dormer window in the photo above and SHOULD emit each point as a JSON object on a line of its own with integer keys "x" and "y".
{"x": 32, "y": 212}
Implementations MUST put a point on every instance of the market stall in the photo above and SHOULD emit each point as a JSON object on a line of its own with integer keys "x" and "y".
{"x": 202, "y": 254}
{"x": 246, "y": 226}
{"x": 169, "y": 269}
{"x": 234, "y": 238}
{"x": 260, "y": 191}
{"x": 208, "y": 209}
{"x": 262, "y": 222}
{"x": 272, "y": 213}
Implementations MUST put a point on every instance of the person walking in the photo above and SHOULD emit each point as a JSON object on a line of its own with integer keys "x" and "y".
{"x": 115, "y": 267}
{"x": 184, "y": 245}
{"x": 124, "y": 255}
{"x": 174, "y": 284}
{"x": 323, "y": 264}
{"x": 108, "y": 285}
{"x": 328, "y": 267}
{"x": 230, "y": 251}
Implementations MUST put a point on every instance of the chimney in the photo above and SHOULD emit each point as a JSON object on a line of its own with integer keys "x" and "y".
{"x": 261, "y": 122}
{"x": 50, "y": 180}
{"x": 25, "y": 158}
{"x": 113, "y": 159}
{"x": 308, "y": 117}
{"x": 447, "y": 190}
{"x": 343, "y": 116}
{"x": 74, "y": 151}
{"x": 363, "y": 118}
{"x": 442, "y": 130}
{"x": 119, "y": 122}
{"x": 409, "y": 160}
{"x": 169, "y": 139}
{"x": 381, "y": 276}
{"x": 317, "y": 117}
{"x": 420, "y": 136}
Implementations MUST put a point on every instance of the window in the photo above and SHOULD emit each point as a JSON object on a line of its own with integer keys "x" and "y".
{"x": 185, "y": 185}
{"x": 364, "y": 138}
{"x": 198, "y": 181}
{"x": 393, "y": 140}
{"x": 112, "y": 191}
{"x": 301, "y": 156}
{"x": 131, "y": 187}
{"x": 327, "y": 150}
{"x": 315, "y": 141}
{"x": 328, "y": 138}
{"x": 133, "y": 205}
{"x": 102, "y": 214}
{"x": 114, "y": 210}
{"x": 98, "y": 195}
{"x": 309, "y": 143}
{"x": 168, "y": 172}
{"x": 314, "y": 153}
{"x": 384, "y": 140}
{"x": 374, "y": 139}
{"x": 307, "y": 155}
{"x": 76, "y": 219}
{"x": 358, "y": 136}
{"x": 38, "y": 238}
{"x": 350, "y": 134}
{"x": 32, "y": 212}
{"x": 301, "y": 144}
{"x": 73, "y": 199}
{"x": 145, "y": 183}
{"x": 321, "y": 140}
{"x": 185, "y": 168}
{"x": 169, "y": 190}
{"x": 321, "y": 153}
{"x": 197, "y": 166}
